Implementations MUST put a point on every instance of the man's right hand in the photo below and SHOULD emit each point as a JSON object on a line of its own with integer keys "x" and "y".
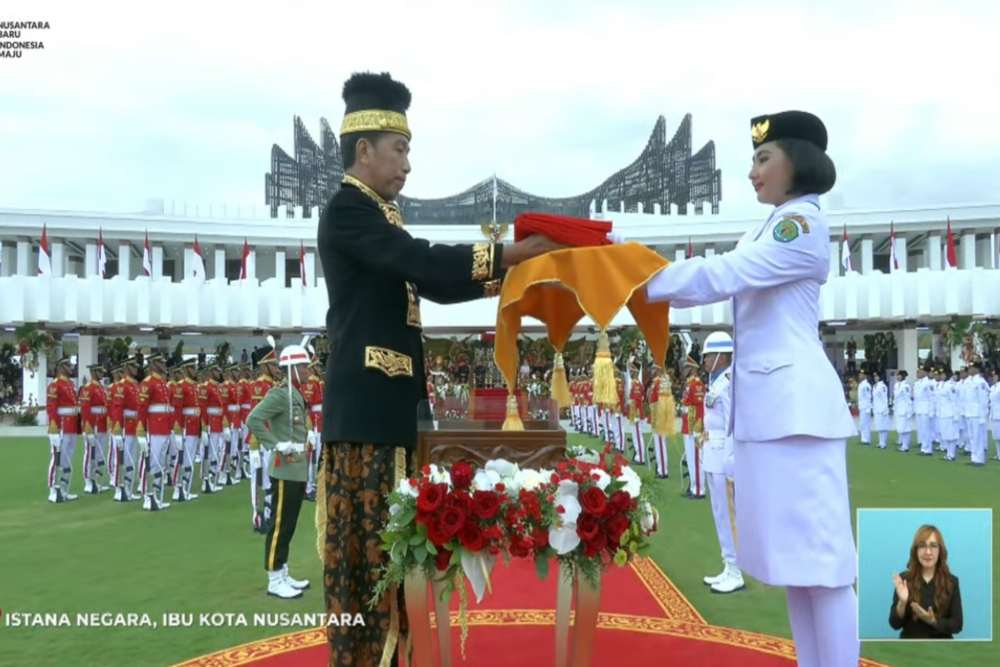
{"x": 54, "y": 440}
{"x": 143, "y": 445}
{"x": 532, "y": 246}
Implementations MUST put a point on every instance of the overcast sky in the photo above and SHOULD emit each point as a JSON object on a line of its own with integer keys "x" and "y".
{"x": 183, "y": 100}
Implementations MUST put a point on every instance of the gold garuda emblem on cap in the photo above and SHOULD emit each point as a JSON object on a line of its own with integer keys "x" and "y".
{"x": 759, "y": 131}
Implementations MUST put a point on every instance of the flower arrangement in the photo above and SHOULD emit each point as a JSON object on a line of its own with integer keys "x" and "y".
{"x": 588, "y": 512}
{"x": 31, "y": 342}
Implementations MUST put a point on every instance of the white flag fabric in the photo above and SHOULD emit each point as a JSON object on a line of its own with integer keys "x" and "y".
{"x": 198, "y": 263}
{"x": 147, "y": 257}
{"x": 44, "y": 256}
{"x": 102, "y": 255}
{"x": 845, "y": 253}
{"x": 893, "y": 262}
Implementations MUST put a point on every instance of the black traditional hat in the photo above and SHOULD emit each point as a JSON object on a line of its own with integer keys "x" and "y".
{"x": 788, "y": 125}
{"x": 375, "y": 103}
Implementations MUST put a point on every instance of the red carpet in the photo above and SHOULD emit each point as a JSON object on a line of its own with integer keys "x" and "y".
{"x": 645, "y": 621}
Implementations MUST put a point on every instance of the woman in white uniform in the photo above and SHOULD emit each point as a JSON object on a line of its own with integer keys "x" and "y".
{"x": 880, "y": 408}
{"x": 789, "y": 418}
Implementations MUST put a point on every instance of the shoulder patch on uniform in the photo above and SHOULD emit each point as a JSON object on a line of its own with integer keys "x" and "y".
{"x": 786, "y": 231}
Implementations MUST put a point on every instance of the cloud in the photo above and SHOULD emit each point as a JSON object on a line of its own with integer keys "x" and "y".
{"x": 184, "y": 101}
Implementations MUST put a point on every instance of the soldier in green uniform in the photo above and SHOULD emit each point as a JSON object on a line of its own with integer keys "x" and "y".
{"x": 376, "y": 274}
{"x": 279, "y": 423}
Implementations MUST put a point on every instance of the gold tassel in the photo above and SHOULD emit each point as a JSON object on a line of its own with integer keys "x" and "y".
{"x": 665, "y": 421}
{"x": 560, "y": 385}
{"x": 321, "y": 507}
{"x": 513, "y": 421}
{"x": 605, "y": 387}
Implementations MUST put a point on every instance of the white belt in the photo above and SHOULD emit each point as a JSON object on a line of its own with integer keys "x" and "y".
{"x": 130, "y": 413}
{"x": 160, "y": 408}
{"x": 233, "y": 407}
{"x": 317, "y": 408}
{"x": 98, "y": 410}
{"x": 191, "y": 412}
{"x": 246, "y": 406}
{"x": 716, "y": 435}
{"x": 290, "y": 447}
{"x": 214, "y": 411}
{"x": 67, "y": 412}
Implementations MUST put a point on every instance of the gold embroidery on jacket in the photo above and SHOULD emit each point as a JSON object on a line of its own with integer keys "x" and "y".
{"x": 482, "y": 261}
{"x": 412, "y": 306}
{"x": 492, "y": 287}
{"x": 390, "y": 362}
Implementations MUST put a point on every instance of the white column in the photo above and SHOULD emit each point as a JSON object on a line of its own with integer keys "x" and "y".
{"x": 252, "y": 265}
{"x": 157, "y": 262}
{"x": 85, "y": 356}
{"x": 125, "y": 261}
{"x": 906, "y": 350}
{"x": 279, "y": 267}
{"x": 34, "y": 386}
{"x": 867, "y": 255}
{"x": 90, "y": 260}
{"x": 901, "y": 253}
{"x": 188, "y": 263}
{"x": 984, "y": 246}
{"x": 310, "y": 268}
{"x": 58, "y": 259}
{"x": 967, "y": 252}
{"x": 220, "y": 264}
{"x": 24, "y": 259}
{"x": 8, "y": 259}
{"x": 709, "y": 250}
{"x": 834, "y": 260}
{"x": 934, "y": 252}
{"x": 679, "y": 254}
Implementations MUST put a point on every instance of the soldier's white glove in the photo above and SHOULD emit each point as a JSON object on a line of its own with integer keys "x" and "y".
{"x": 178, "y": 440}
{"x": 118, "y": 442}
{"x": 143, "y": 446}
{"x": 290, "y": 447}
{"x": 54, "y": 439}
{"x": 227, "y": 434}
{"x": 204, "y": 438}
{"x": 312, "y": 439}
{"x": 255, "y": 459}
{"x": 616, "y": 237}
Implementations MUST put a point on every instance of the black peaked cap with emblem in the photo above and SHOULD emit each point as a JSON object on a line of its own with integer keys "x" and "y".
{"x": 365, "y": 90}
{"x": 788, "y": 125}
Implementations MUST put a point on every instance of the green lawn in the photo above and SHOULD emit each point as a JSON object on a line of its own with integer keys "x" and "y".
{"x": 97, "y": 556}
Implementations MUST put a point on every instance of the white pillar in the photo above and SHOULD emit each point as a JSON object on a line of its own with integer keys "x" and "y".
{"x": 58, "y": 259}
{"x": 709, "y": 250}
{"x": 984, "y": 246}
{"x": 220, "y": 264}
{"x": 934, "y": 252}
{"x": 279, "y": 267}
{"x": 252, "y": 265}
{"x": 906, "y": 350}
{"x": 8, "y": 257}
{"x": 34, "y": 387}
{"x": 834, "y": 260}
{"x": 679, "y": 254}
{"x": 867, "y": 255}
{"x": 310, "y": 268}
{"x": 24, "y": 259}
{"x": 967, "y": 252}
{"x": 188, "y": 263}
{"x": 125, "y": 261}
{"x": 157, "y": 262}
{"x": 901, "y": 252}
{"x": 90, "y": 260}
{"x": 85, "y": 356}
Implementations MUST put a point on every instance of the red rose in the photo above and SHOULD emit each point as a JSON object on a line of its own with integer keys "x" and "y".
{"x": 471, "y": 537}
{"x": 620, "y": 501}
{"x": 461, "y": 475}
{"x": 595, "y": 546}
{"x": 520, "y": 547}
{"x": 451, "y": 521}
{"x": 587, "y": 527}
{"x": 616, "y": 526}
{"x": 540, "y": 537}
{"x": 593, "y": 501}
{"x": 442, "y": 559}
{"x": 493, "y": 532}
{"x": 530, "y": 504}
{"x": 485, "y": 504}
{"x": 436, "y": 534}
{"x": 431, "y": 496}
{"x": 459, "y": 500}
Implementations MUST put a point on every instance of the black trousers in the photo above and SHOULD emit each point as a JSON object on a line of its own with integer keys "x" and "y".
{"x": 286, "y": 501}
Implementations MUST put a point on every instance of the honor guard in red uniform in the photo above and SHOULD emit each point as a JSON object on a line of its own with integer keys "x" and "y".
{"x": 245, "y": 385}
{"x": 312, "y": 392}
{"x": 693, "y": 400}
{"x": 124, "y": 422}
{"x": 94, "y": 402}
{"x": 187, "y": 411}
{"x": 637, "y": 415}
{"x": 174, "y": 441}
{"x": 268, "y": 373}
{"x": 233, "y": 471}
{"x": 64, "y": 425}
{"x": 156, "y": 423}
{"x": 213, "y": 420}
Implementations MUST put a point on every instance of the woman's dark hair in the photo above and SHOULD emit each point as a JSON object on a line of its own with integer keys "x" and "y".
{"x": 812, "y": 169}
{"x": 349, "y": 145}
{"x": 944, "y": 585}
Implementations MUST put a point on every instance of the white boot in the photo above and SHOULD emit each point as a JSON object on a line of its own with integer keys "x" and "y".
{"x": 299, "y": 584}
{"x": 711, "y": 581}
{"x": 279, "y": 587}
{"x": 733, "y": 581}
{"x": 55, "y": 495}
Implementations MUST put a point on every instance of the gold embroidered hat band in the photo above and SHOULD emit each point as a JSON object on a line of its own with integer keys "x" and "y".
{"x": 788, "y": 125}
{"x": 375, "y": 103}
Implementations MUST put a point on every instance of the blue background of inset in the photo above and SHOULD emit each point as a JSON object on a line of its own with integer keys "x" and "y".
{"x": 884, "y": 539}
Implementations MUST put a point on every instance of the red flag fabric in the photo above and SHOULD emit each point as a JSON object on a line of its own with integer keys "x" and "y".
{"x": 198, "y": 261}
{"x": 577, "y": 232}
{"x": 44, "y": 255}
{"x": 690, "y": 250}
{"x": 245, "y": 259}
{"x": 950, "y": 255}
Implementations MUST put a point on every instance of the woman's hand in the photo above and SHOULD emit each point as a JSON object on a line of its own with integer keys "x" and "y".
{"x": 925, "y": 615}
{"x": 902, "y": 591}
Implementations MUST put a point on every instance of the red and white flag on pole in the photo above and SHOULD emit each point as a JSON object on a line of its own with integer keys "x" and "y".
{"x": 893, "y": 260}
{"x": 102, "y": 254}
{"x": 690, "y": 250}
{"x": 950, "y": 256}
{"x": 845, "y": 252}
{"x": 244, "y": 273}
{"x": 44, "y": 255}
{"x": 302, "y": 262}
{"x": 147, "y": 257}
{"x": 197, "y": 261}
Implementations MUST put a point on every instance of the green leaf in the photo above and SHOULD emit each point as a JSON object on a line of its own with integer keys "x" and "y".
{"x": 420, "y": 554}
{"x": 406, "y": 517}
{"x": 417, "y": 538}
{"x": 542, "y": 566}
{"x": 431, "y": 549}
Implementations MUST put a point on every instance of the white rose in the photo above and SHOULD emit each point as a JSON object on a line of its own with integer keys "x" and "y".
{"x": 502, "y": 467}
{"x": 528, "y": 479}
{"x": 603, "y": 478}
{"x": 406, "y": 489}
{"x": 485, "y": 480}
{"x": 440, "y": 475}
{"x": 633, "y": 484}
{"x": 564, "y": 538}
{"x": 571, "y": 507}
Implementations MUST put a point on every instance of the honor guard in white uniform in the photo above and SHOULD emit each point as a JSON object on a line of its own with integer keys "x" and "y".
{"x": 717, "y": 457}
{"x": 995, "y": 413}
{"x": 789, "y": 418}
{"x": 923, "y": 406}
{"x": 945, "y": 410}
{"x": 864, "y": 408}
{"x": 977, "y": 394}
{"x": 880, "y": 410}
{"x": 902, "y": 408}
